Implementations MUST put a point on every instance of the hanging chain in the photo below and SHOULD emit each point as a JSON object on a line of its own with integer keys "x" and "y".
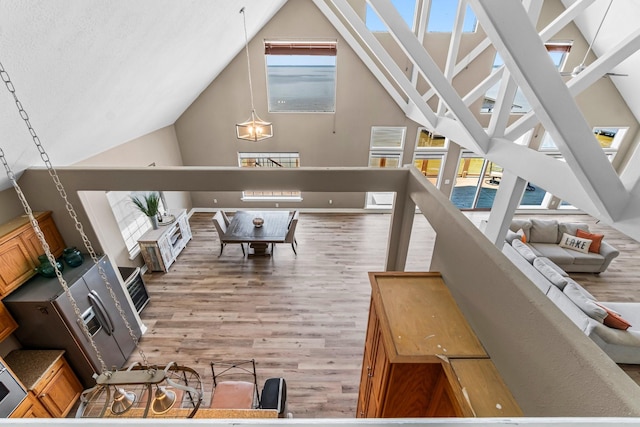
{"x": 72, "y": 213}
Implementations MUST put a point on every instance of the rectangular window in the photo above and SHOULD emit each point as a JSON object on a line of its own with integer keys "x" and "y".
{"x": 406, "y": 9}
{"x": 385, "y": 151}
{"x": 270, "y": 160}
{"x": 442, "y": 16}
{"x": 429, "y": 165}
{"x": 131, "y": 222}
{"x": 429, "y": 140}
{"x": 301, "y": 76}
{"x": 387, "y": 137}
{"x": 558, "y": 52}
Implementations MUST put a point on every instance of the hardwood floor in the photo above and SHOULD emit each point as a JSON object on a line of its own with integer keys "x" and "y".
{"x": 303, "y": 318}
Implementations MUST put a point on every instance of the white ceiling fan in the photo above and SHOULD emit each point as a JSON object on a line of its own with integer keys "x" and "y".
{"x": 580, "y": 68}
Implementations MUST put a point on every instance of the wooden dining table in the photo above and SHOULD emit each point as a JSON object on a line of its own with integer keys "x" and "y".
{"x": 242, "y": 230}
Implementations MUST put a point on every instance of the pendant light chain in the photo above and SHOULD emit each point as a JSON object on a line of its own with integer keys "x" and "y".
{"x": 78, "y": 225}
{"x": 246, "y": 45}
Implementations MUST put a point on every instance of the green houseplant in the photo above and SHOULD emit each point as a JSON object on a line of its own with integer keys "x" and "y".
{"x": 149, "y": 205}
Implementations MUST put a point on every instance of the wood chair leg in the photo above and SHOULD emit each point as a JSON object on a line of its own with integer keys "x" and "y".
{"x": 243, "y": 252}
{"x": 294, "y": 249}
{"x": 221, "y": 248}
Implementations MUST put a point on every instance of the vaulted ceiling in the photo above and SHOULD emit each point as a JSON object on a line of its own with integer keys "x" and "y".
{"x": 93, "y": 74}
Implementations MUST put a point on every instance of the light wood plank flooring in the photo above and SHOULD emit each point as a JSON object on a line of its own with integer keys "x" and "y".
{"x": 303, "y": 318}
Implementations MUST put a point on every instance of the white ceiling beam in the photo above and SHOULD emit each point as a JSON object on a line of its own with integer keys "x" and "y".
{"x": 524, "y": 54}
{"x": 362, "y": 54}
{"x": 508, "y": 88}
{"x": 386, "y": 61}
{"x": 423, "y": 16}
{"x": 621, "y": 51}
{"x": 549, "y": 31}
{"x": 419, "y": 56}
{"x": 454, "y": 48}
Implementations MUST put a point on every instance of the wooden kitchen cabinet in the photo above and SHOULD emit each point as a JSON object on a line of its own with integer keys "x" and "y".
{"x": 30, "y": 408}
{"x": 20, "y": 247}
{"x": 7, "y": 323}
{"x": 58, "y": 389}
{"x": 48, "y": 378}
{"x": 416, "y": 339}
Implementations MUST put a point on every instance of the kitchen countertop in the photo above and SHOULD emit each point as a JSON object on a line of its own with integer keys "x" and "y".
{"x": 30, "y": 365}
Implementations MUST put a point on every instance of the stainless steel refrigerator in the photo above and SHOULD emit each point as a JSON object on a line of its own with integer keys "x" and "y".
{"x": 47, "y": 320}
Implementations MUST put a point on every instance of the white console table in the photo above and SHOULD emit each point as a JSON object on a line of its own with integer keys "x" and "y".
{"x": 161, "y": 247}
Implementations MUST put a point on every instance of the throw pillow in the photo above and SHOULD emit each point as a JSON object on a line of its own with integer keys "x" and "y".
{"x": 596, "y": 240}
{"x": 523, "y": 236}
{"x": 543, "y": 231}
{"x": 524, "y": 250}
{"x": 551, "y": 274}
{"x": 614, "y": 320}
{"x": 585, "y": 303}
{"x": 575, "y": 243}
{"x": 571, "y": 228}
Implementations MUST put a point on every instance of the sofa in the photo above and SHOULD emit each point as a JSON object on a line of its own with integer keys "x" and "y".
{"x": 564, "y": 243}
{"x": 597, "y": 320}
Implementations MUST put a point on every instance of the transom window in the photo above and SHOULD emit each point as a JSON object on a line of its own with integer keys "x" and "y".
{"x": 270, "y": 160}
{"x": 406, "y": 9}
{"x": 301, "y": 76}
{"x": 442, "y": 16}
{"x": 558, "y": 52}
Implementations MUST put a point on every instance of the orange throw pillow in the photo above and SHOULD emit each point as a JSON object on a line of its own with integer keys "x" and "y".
{"x": 614, "y": 320}
{"x": 596, "y": 240}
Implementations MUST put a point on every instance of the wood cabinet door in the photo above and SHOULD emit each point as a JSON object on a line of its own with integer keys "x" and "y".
{"x": 61, "y": 392}
{"x": 51, "y": 235}
{"x": 7, "y": 323}
{"x": 16, "y": 265}
{"x": 30, "y": 408}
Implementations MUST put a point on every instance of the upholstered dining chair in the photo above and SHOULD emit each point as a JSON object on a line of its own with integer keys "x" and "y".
{"x": 227, "y": 221}
{"x": 291, "y": 233}
{"x": 221, "y": 228}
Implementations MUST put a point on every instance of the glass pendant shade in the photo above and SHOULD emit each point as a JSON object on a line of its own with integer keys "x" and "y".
{"x": 254, "y": 129}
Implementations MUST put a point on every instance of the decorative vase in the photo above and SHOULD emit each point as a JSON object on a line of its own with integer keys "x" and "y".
{"x": 154, "y": 221}
{"x": 46, "y": 269}
{"x": 72, "y": 256}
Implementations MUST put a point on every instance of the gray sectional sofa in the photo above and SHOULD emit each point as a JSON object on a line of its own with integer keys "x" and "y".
{"x": 544, "y": 235}
{"x": 623, "y": 346}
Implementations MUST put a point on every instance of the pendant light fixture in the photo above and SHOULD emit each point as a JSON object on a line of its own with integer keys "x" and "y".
{"x": 117, "y": 393}
{"x": 253, "y": 129}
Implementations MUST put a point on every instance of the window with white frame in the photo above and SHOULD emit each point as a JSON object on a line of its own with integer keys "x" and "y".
{"x": 429, "y": 154}
{"x": 406, "y": 9}
{"x": 301, "y": 76}
{"x": 385, "y": 151}
{"x": 131, "y": 222}
{"x": 442, "y": 16}
{"x": 609, "y": 139}
{"x": 558, "y": 52}
{"x": 269, "y": 160}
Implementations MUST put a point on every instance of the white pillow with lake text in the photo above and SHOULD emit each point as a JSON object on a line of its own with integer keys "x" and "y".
{"x": 575, "y": 243}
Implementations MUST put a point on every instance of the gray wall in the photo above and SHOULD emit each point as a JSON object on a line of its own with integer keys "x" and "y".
{"x": 551, "y": 367}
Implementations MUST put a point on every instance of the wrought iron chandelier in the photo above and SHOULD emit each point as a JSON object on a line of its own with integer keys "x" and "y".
{"x": 254, "y": 128}
{"x": 141, "y": 390}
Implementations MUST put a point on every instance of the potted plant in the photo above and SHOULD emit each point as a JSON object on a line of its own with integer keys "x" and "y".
{"x": 149, "y": 205}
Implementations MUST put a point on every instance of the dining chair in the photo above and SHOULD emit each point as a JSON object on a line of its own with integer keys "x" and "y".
{"x": 221, "y": 228}
{"x": 291, "y": 237}
{"x": 227, "y": 221}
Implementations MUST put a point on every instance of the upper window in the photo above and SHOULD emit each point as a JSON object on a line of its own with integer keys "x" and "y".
{"x": 442, "y": 16}
{"x": 406, "y": 8}
{"x": 387, "y": 137}
{"x": 269, "y": 160}
{"x": 301, "y": 76}
{"x": 558, "y": 52}
{"x": 429, "y": 140}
